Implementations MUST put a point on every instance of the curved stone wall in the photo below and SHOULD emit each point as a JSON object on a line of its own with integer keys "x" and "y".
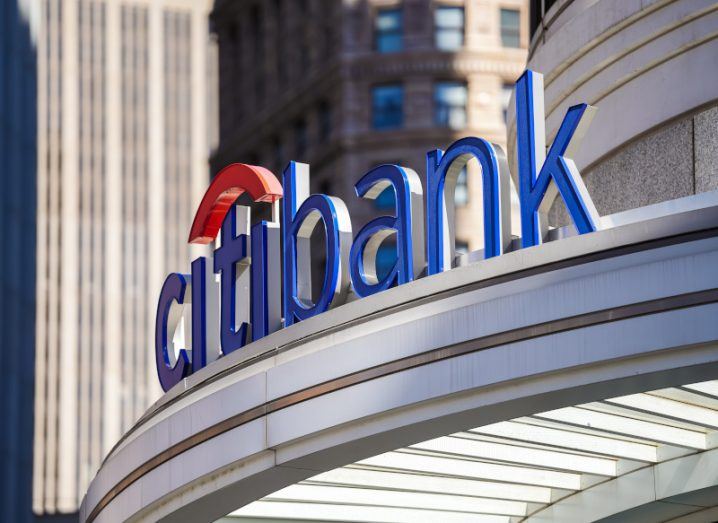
{"x": 674, "y": 160}
{"x": 651, "y": 68}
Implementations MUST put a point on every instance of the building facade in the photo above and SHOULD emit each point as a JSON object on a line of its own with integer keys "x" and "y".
{"x": 122, "y": 143}
{"x": 346, "y": 86}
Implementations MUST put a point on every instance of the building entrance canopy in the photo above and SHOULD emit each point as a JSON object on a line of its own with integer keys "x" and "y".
{"x": 491, "y": 379}
{"x": 631, "y": 457}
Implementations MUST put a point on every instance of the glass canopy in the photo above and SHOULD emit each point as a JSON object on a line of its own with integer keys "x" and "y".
{"x": 509, "y": 471}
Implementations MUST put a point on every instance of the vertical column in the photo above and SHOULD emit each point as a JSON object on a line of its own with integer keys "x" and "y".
{"x": 155, "y": 196}
{"x": 67, "y": 457}
{"x": 128, "y": 37}
{"x": 111, "y": 373}
{"x": 49, "y": 437}
{"x": 41, "y": 280}
{"x": 86, "y": 178}
{"x": 474, "y": 27}
{"x": 198, "y": 96}
{"x": 418, "y": 95}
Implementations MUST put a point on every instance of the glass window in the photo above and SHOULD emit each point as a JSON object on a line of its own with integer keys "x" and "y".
{"x": 300, "y": 39}
{"x": 537, "y": 10}
{"x": 258, "y": 49}
{"x": 386, "y": 199}
{"x": 506, "y": 91}
{"x": 388, "y": 31}
{"x": 461, "y": 194}
{"x": 450, "y": 104}
{"x": 387, "y": 106}
{"x": 449, "y": 27}
{"x": 304, "y": 59}
{"x": 280, "y": 54}
{"x": 278, "y": 152}
{"x": 510, "y": 28}
{"x": 385, "y": 259}
{"x": 325, "y": 121}
{"x": 300, "y": 139}
{"x": 328, "y": 32}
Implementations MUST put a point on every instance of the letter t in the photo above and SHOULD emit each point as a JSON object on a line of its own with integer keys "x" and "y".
{"x": 232, "y": 261}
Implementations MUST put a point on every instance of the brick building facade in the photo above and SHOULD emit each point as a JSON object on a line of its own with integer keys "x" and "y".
{"x": 349, "y": 85}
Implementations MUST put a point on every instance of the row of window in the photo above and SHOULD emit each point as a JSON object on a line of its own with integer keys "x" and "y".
{"x": 450, "y": 102}
{"x": 450, "y": 110}
{"x": 448, "y": 28}
{"x": 449, "y": 105}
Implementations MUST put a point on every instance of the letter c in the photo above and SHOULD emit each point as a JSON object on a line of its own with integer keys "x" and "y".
{"x": 170, "y": 369}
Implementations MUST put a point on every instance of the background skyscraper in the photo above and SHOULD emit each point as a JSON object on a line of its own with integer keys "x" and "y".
{"x": 106, "y": 131}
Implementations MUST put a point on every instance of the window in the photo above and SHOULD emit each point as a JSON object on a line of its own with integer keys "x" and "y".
{"x": 510, "y": 28}
{"x": 258, "y": 48}
{"x": 387, "y": 106}
{"x": 386, "y": 199}
{"x": 305, "y": 59}
{"x": 461, "y": 194}
{"x": 278, "y": 152}
{"x": 327, "y": 33}
{"x": 325, "y": 121}
{"x": 388, "y": 29}
{"x": 304, "y": 56}
{"x": 385, "y": 258}
{"x": 506, "y": 91}
{"x": 461, "y": 247}
{"x": 300, "y": 139}
{"x": 537, "y": 10}
{"x": 280, "y": 33}
{"x": 450, "y": 104}
{"x": 449, "y": 28}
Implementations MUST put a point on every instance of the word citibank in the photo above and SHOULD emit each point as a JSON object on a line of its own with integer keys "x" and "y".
{"x": 250, "y": 259}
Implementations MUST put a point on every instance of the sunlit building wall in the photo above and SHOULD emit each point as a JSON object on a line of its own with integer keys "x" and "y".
{"x": 123, "y": 132}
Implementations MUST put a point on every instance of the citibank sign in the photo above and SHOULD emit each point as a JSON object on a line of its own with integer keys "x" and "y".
{"x": 248, "y": 258}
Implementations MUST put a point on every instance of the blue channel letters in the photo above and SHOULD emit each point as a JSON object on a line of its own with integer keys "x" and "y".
{"x": 249, "y": 265}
